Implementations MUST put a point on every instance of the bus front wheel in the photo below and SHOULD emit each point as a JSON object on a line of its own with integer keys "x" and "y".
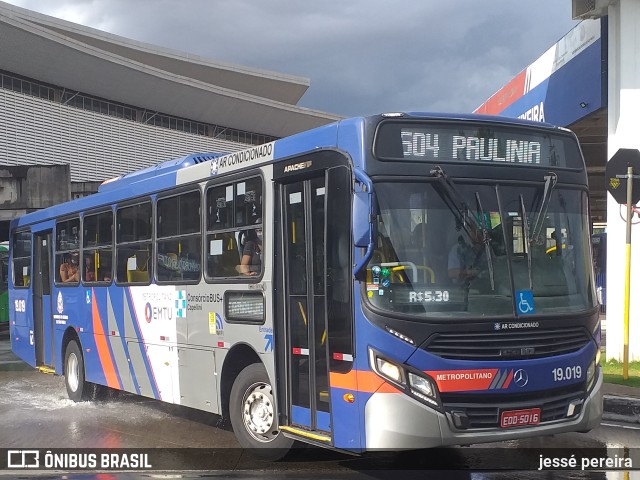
{"x": 77, "y": 388}
{"x": 253, "y": 414}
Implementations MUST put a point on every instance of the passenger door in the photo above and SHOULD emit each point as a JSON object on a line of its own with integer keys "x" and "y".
{"x": 313, "y": 295}
{"x": 43, "y": 326}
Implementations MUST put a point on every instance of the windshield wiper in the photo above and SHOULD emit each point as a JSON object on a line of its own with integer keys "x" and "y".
{"x": 455, "y": 202}
{"x": 527, "y": 240}
{"x": 550, "y": 181}
{"x": 486, "y": 240}
{"x": 462, "y": 213}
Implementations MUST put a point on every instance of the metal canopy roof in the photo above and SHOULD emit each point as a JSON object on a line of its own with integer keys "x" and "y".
{"x": 118, "y": 69}
{"x": 592, "y": 134}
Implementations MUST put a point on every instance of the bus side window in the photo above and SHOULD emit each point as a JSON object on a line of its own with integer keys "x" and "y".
{"x": 223, "y": 257}
{"x": 21, "y": 259}
{"x": 133, "y": 248}
{"x": 137, "y": 270}
{"x": 228, "y": 233}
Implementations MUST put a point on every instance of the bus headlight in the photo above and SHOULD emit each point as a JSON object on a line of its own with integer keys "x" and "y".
{"x": 418, "y": 385}
{"x": 591, "y": 373}
{"x": 389, "y": 370}
{"x": 422, "y": 388}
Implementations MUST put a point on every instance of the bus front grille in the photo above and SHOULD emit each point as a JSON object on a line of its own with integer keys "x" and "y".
{"x": 468, "y": 412}
{"x": 507, "y": 344}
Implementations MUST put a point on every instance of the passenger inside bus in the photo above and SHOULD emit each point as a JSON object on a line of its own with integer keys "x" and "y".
{"x": 419, "y": 236}
{"x": 104, "y": 272}
{"x": 89, "y": 270}
{"x": 251, "y": 262}
{"x": 69, "y": 271}
{"x": 467, "y": 257}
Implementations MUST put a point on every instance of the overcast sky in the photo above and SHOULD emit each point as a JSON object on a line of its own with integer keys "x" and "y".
{"x": 361, "y": 56}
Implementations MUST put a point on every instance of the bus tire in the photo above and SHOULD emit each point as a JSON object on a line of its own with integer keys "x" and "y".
{"x": 253, "y": 414}
{"x": 77, "y": 389}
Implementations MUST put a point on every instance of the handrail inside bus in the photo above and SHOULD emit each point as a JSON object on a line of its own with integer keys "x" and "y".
{"x": 363, "y": 179}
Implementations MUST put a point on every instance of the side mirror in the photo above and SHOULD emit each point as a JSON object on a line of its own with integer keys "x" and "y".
{"x": 361, "y": 217}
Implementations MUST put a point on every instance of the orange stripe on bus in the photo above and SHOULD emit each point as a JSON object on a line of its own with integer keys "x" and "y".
{"x": 361, "y": 381}
{"x": 103, "y": 349}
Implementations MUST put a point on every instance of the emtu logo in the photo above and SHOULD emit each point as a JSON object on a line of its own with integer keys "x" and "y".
{"x": 23, "y": 459}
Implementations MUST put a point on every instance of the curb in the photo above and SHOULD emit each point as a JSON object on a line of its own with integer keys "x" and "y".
{"x": 621, "y": 409}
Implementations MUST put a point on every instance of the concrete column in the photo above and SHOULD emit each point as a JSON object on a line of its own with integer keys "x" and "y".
{"x": 624, "y": 132}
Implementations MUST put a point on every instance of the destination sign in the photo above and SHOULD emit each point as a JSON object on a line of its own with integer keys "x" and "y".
{"x": 468, "y": 142}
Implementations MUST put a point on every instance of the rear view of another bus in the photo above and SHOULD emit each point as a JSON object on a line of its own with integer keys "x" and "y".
{"x": 4, "y": 293}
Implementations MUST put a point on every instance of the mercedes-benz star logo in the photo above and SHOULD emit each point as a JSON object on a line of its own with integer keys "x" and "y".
{"x": 520, "y": 378}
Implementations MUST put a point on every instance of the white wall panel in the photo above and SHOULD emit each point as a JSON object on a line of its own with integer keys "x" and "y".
{"x": 34, "y": 131}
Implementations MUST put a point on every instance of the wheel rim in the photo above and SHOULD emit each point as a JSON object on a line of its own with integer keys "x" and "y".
{"x": 73, "y": 378}
{"x": 258, "y": 412}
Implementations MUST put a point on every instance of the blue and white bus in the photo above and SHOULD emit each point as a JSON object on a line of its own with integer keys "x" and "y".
{"x": 402, "y": 293}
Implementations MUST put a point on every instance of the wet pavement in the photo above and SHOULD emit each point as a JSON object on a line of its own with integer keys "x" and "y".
{"x": 36, "y": 413}
{"x": 620, "y": 403}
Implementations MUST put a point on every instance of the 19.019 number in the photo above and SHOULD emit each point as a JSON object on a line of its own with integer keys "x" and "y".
{"x": 573, "y": 372}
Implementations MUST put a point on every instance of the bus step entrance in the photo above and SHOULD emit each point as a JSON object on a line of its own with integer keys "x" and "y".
{"x": 306, "y": 434}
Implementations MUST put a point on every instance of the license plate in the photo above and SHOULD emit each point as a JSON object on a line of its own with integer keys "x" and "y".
{"x": 518, "y": 418}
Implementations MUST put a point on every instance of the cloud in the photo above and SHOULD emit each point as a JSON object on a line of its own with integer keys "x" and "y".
{"x": 362, "y": 56}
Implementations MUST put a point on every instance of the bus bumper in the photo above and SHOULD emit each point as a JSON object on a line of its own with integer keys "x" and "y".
{"x": 395, "y": 421}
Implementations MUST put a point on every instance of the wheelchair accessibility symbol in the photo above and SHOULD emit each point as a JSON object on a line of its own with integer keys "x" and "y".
{"x": 524, "y": 301}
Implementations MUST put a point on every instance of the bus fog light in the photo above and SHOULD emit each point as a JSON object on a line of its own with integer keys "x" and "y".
{"x": 389, "y": 370}
{"x": 422, "y": 385}
{"x": 573, "y": 407}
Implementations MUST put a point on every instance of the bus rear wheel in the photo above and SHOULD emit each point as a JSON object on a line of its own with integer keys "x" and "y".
{"x": 77, "y": 389}
{"x": 253, "y": 414}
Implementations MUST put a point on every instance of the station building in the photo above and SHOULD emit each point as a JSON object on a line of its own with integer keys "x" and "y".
{"x": 79, "y": 106}
{"x": 589, "y": 81}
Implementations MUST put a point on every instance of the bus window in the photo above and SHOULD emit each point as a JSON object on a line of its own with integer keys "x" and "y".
{"x": 133, "y": 243}
{"x": 97, "y": 247}
{"x": 234, "y": 218}
{"x": 178, "y": 226}
{"x": 421, "y": 280}
{"x": 21, "y": 259}
{"x": 599, "y": 250}
{"x": 68, "y": 252}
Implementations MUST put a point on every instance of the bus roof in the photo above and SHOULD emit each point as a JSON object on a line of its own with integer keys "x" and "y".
{"x": 162, "y": 168}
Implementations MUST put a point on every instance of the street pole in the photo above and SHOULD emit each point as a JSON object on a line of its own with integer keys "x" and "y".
{"x": 625, "y": 352}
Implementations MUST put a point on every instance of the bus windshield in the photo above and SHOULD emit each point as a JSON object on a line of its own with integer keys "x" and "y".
{"x": 449, "y": 249}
